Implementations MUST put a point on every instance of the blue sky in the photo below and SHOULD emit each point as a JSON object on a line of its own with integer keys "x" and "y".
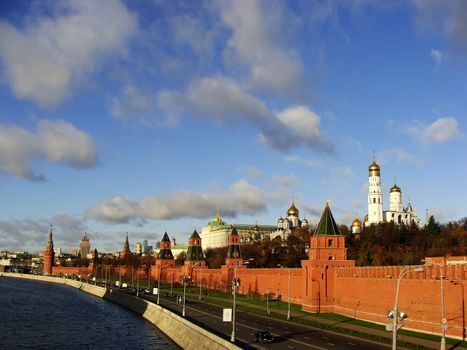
{"x": 142, "y": 116}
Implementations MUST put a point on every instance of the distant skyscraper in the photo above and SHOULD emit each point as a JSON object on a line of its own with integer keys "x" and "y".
{"x": 84, "y": 246}
{"x": 145, "y": 246}
{"x": 139, "y": 248}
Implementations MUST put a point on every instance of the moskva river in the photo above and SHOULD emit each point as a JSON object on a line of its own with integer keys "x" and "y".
{"x": 40, "y": 315}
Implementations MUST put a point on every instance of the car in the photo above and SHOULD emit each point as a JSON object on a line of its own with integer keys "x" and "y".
{"x": 264, "y": 337}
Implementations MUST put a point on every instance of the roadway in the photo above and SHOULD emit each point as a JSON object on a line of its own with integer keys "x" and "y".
{"x": 288, "y": 335}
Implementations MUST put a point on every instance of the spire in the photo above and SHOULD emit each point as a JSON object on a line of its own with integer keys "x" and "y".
{"x": 233, "y": 252}
{"x": 195, "y": 252}
{"x": 327, "y": 225}
{"x": 50, "y": 236}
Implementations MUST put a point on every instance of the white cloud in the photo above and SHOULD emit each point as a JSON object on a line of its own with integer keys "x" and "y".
{"x": 258, "y": 41}
{"x": 304, "y": 161}
{"x": 134, "y": 104}
{"x": 54, "y": 141}
{"x": 299, "y": 126}
{"x": 436, "y": 55}
{"x": 43, "y": 60}
{"x": 224, "y": 100}
{"x": 449, "y": 17}
{"x": 251, "y": 171}
{"x": 440, "y": 131}
{"x": 241, "y": 198}
{"x": 400, "y": 156}
{"x": 285, "y": 181}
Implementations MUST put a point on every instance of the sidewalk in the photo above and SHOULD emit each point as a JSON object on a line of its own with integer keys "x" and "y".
{"x": 379, "y": 336}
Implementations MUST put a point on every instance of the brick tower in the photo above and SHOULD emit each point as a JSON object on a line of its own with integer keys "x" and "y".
{"x": 327, "y": 252}
{"x": 49, "y": 254}
{"x": 234, "y": 256}
{"x": 126, "y": 248}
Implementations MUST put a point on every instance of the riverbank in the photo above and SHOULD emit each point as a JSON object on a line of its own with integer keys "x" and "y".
{"x": 182, "y": 332}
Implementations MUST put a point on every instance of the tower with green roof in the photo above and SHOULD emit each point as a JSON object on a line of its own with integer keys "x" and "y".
{"x": 194, "y": 254}
{"x": 234, "y": 256}
{"x": 327, "y": 243}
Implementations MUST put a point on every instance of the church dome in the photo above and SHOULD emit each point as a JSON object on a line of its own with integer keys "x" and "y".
{"x": 357, "y": 223}
{"x": 374, "y": 169}
{"x": 280, "y": 221}
{"x": 395, "y": 188}
{"x": 293, "y": 211}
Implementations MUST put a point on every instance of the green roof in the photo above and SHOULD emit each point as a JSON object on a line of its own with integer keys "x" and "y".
{"x": 195, "y": 235}
{"x": 327, "y": 225}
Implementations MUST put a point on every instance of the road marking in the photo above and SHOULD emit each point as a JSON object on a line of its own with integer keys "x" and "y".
{"x": 290, "y": 347}
{"x": 351, "y": 344}
{"x": 331, "y": 344}
{"x": 307, "y": 338}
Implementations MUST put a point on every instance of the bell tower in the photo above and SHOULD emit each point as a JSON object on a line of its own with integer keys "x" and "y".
{"x": 375, "y": 196}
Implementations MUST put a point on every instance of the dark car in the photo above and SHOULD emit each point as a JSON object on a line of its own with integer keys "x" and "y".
{"x": 264, "y": 337}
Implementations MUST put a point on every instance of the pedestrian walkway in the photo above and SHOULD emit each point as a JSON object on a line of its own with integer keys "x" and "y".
{"x": 379, "y": 336}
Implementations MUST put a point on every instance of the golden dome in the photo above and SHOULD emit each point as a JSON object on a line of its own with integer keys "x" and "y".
{"x": 374, "y": 169}
{"x": 357, "y": 222}
{"x": 395, "y": 188}
{"x": 293, "y": 211}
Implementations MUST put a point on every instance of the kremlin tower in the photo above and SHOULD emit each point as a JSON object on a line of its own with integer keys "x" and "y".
{"x": 49, "y": 254}
{"x": 126, "y": 248}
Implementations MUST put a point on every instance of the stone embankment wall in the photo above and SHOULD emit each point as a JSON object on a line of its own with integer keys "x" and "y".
{"x": 182, "y": 332}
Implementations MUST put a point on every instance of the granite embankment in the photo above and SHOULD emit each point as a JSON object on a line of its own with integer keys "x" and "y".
{"x": 182, "y": 332}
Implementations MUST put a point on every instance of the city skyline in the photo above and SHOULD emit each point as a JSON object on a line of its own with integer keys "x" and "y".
{"x": 143, "y": 117}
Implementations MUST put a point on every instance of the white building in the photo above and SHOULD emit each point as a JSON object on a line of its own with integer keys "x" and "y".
{"x": 396, "y": 213}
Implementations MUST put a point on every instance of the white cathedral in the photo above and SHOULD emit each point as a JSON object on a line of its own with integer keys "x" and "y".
{"x": 396, "y": 213}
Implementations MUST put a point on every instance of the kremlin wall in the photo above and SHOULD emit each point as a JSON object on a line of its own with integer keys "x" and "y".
{"x": 326, "y": 282}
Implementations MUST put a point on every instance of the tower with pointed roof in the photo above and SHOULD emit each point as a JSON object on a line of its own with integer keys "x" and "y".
{"x": 327, "y": 252}
{"x": 49, "y": 254}
{"x": 327, "y": 243}
{"x": 195, "y": 251}
{"x": 234, "y": 256}
{"x": 166, "y": 257}
{"x": 126, "y": 248}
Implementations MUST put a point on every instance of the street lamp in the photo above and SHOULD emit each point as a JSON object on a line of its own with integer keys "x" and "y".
{"x": 137, "y": 282}
{"x": 443, "y": 320}
{"x": 394, "y": 313}
{"x": 288, "y": 307}
{"x": 235, "y": 284}
{"x": 184, "y": 280}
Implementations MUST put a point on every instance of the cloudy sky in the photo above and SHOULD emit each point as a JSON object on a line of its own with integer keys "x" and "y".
{"x": 143, "y": 116}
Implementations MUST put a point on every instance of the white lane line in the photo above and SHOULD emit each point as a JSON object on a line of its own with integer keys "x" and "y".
{"x": 331, "y": 344}
{"x": 351, "y": 344}
{"x": 290, "y": 347}
{"x": 307, "y": 338}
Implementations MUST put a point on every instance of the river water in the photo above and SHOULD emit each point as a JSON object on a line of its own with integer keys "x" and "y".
{"x": 41, "y": 315}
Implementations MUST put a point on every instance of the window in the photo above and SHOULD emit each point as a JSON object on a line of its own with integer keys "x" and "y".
{"x": 329, "y": 242}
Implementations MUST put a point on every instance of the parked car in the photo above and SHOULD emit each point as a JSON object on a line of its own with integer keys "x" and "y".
{"x": 264, "y": 337}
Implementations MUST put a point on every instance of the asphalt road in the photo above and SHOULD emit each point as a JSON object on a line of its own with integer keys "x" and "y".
{"x": 288, "y": 335}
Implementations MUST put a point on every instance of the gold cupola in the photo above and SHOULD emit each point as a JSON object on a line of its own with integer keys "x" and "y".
{"x": 374, "y": 169}
{"x": 356, "y": 223}
{"x": 395, "y": 188}
{"x": 293, "y": 211}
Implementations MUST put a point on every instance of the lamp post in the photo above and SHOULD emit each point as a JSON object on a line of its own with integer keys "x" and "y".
{"x": 200, "y": 282}
{"x": 184, "y": 280}
{"x": 235, "y": 284}
{"x": 267, "y": 302}
{"x": 137, "y": 282}
{"x": 443, "y": 319}
{"x": 159, "y": 285}
{"x": 395, "y": 312}
{"x": 289, "y": 287}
